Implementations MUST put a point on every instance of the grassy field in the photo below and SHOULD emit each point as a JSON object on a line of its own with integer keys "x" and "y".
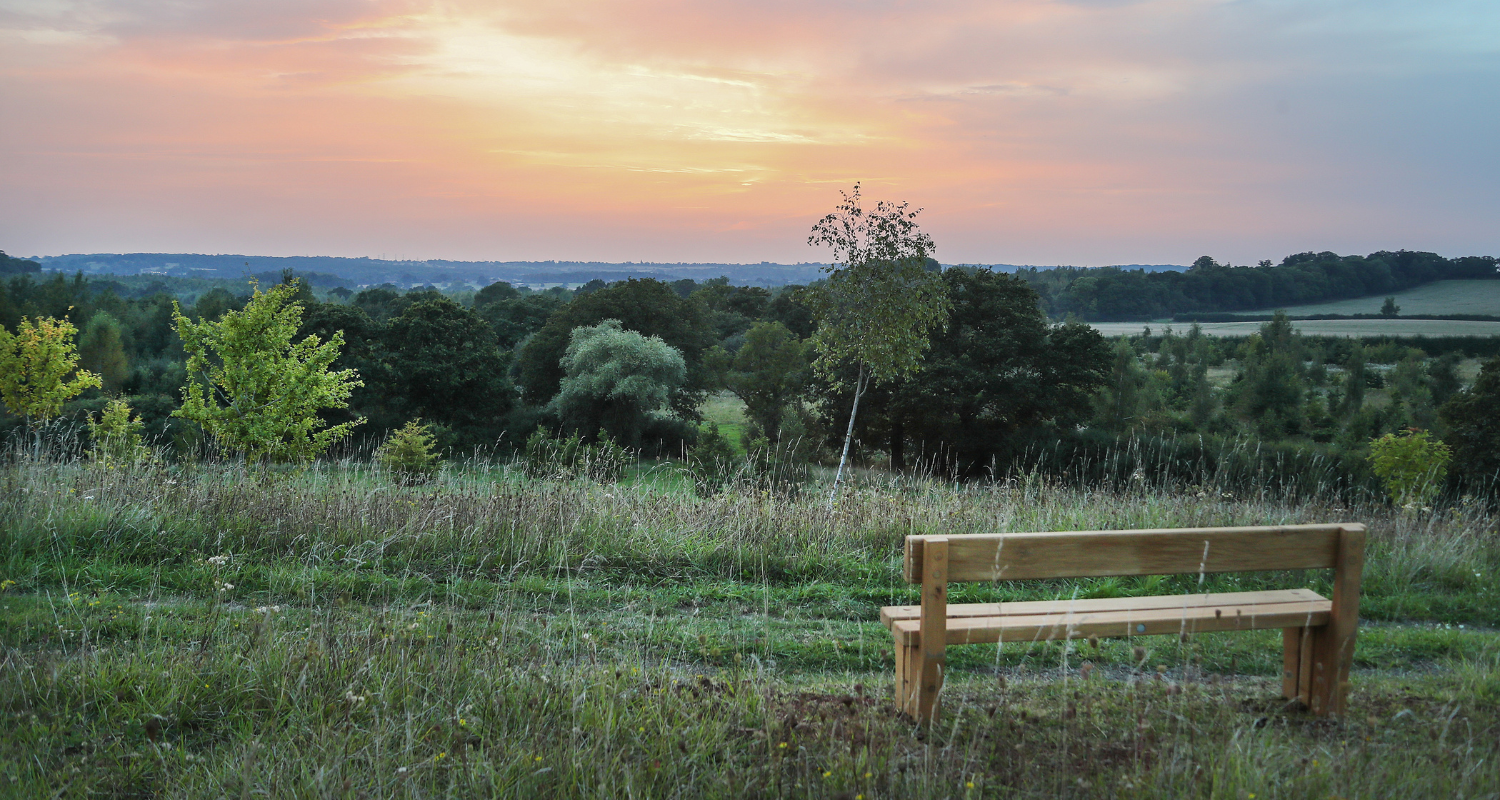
{"x": 1442, "y": 297}
{"x": 202, "y": 632}
{"x": 1326, "y": 327}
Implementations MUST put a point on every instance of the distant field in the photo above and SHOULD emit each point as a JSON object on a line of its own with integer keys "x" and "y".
{"x": 1442, "y": 297}
{"x": 1332, "y": 327}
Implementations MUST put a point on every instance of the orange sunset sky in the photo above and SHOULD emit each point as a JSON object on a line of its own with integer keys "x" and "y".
{"x": 1084, "y": 132}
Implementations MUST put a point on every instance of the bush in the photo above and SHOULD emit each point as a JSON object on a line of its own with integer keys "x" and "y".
{"x": 408, "y": 453}
{"x": 604, "y": 461}
{"x": 116, "y": 436}
{"x": 715, "y": 467}
{"x": 1411, "y": 465}
{"x": 712, "y": 462}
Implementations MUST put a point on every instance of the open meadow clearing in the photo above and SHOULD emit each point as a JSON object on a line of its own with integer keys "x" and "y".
{"x": 1362, "y": 328}
{"x": 1439, "y": 297}
{"x": 200, "y": 632}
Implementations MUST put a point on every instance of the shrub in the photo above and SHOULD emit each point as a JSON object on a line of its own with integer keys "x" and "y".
{"x": 408, "y": 453}
{"x": 116, "y": 436}
{"x": 604, "y": 461}
{"x": 1411, "y": 465}
{"x": 712, "y": 462}
{"x": 715, "y": 467}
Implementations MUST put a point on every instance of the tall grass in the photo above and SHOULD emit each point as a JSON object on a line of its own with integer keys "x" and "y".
{"x": 200, "y": 629}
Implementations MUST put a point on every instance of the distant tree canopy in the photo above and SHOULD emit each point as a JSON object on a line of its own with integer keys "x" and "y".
{"x": 648, "y": 307}
{"x": 1111, "y": 293}
{"x": 10, "y": 265}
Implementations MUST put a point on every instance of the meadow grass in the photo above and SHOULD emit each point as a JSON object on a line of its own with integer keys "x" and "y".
{"x": 206, "y": 632}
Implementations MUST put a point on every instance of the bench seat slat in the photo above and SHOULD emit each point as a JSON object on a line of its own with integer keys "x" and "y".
{"x": 891, "y": 614}
{"x": 1049, "y": 627}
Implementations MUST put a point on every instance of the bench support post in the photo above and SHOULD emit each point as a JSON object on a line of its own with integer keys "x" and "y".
{"x": 1332, "y": 646}
{"x": 1296, "y": 663}
{"x": 932, "y": 644}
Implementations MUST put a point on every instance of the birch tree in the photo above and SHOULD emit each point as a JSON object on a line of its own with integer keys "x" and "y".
{"x": 879, "y": 302}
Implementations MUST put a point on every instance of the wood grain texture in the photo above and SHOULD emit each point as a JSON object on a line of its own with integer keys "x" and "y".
{"x": 934, "y": 618}
{"x": 1118, "y": 624}
{"x": 1028, "y": 556}
{"x": 891, "y": 614}
{"x": 1333, "y": 646}
{"x": 1291, "y": 661}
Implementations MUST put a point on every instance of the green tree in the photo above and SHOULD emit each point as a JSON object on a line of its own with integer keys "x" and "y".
{"x": 1412, "y": 465}
{"x": 440, "y": 362}
{"x": 1473, "y": 419}
{"x": 648, "y": 307}
{"x": 101, "y": 350}
{"x": 879, "y": 301}
{"x": 995, "y": 374}
{"x": 615, "y": 380}
{"x": 254, "y": 389}
{"x": 408, "y": 453}
{"x": 35, "y": 363}
{"x": 1390, "y": 309}
{"x": 116, "y": 436}
{"x": 767, "y": 372}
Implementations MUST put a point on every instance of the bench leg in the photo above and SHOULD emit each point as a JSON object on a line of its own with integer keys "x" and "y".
{"x": 907, "y": 672}
{"x": 1296, "y": 663}
{"x": 1332, "y": 656}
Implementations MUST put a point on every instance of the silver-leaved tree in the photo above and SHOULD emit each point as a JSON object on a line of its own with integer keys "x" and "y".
{"x": 880, "y": 300}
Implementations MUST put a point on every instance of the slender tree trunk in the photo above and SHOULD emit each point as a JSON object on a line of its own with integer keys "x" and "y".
{"x": 859, "y": 390}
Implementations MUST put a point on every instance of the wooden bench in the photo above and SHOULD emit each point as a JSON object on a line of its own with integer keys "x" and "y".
{"x": 1318, "y": 633}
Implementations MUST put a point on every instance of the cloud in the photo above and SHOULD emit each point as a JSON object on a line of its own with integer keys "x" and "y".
{"x": 1031, "y": 130}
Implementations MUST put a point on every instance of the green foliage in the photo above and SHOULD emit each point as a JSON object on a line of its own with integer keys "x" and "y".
{"x": 408, "y": 453}
{"x": 35, "y": 362}
{"x": 1473, "y": 419}
{"x": 879, "y": 301}
{"x": 712, "y": 462}
{"x": 648, "y": 307}
{"x": 439, "y": 361}
{"x": 768, "y": 371}
{"x": 616, "y": 380}
{"x": 1411, "y": 465}
{"x": 101, "y": 350}
{"x": 565, "y": 458}
{"x": 255, "y": 390}
{"x": 116, "y": 436}
{"x": 1389, "y": 308}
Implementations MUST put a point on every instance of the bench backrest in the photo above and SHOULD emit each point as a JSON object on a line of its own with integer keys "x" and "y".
{"x": 1082, "y": 554}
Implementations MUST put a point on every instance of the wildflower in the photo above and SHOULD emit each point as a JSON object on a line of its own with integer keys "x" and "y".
{"x": 224, "y": 587}
{"x": 219, "y": 561}
{"x": 970, "y": 785}
{"x": 782, "y": 745}
{"x": 538, "y": 758}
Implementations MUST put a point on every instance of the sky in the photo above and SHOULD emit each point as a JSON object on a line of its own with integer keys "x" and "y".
{"x": 1042, "y": 132}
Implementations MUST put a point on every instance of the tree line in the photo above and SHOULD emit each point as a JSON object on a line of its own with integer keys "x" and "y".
{"x": 991, "y": 382}
{"x": 1115, "y": 294}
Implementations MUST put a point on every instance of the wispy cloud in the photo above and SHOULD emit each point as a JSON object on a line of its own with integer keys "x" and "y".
{"x": 1084, "y": 132}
